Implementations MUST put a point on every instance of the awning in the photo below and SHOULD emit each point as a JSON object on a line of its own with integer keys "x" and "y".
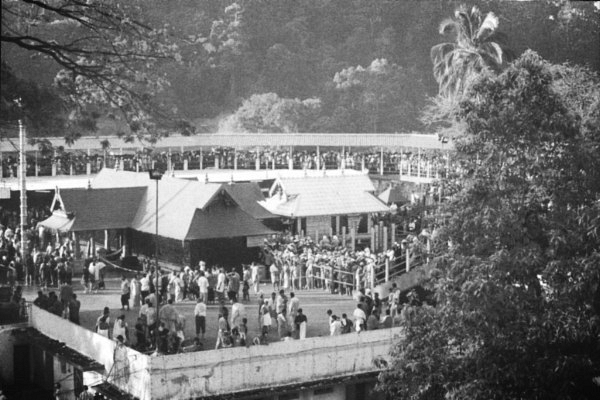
{"x": 57, "y": 222}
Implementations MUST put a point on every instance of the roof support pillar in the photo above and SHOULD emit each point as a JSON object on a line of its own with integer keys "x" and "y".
{"x": 318, "y": 158}
{"x": 235, "y": 159}
{"x": 201, "y": 158}
{"x": 419, "y": 164}
{"x": 257, "y": 159}
{"x": 291, "y": 158}
{"x": 381, "y": 162}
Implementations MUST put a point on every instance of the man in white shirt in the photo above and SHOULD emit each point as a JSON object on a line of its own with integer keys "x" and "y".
{"x": 335, "y": 328}
{"x": 145, "y": 287}
{"x": 203, "y": 287}
{"x": 200, "y": 317}
{"x": 238, "y": 312}
{"x": 360, "y": 318}
{"x": 220, "y": 289}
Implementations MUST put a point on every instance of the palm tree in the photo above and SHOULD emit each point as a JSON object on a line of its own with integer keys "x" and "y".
{"x": 474, "y": 49}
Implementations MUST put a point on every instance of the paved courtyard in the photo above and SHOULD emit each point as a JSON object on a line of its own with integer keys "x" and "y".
{"x": 314, "y": 304}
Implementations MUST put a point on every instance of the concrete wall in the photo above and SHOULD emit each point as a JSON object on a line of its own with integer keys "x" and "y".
{"x": 283, "y": 363}
{"x": 98, "y": 348}
{"x": 216, "y": 372}
{"x": 7, "y": 342}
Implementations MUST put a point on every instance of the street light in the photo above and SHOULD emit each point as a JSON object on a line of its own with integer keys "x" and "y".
{"x": 156, "y": 175}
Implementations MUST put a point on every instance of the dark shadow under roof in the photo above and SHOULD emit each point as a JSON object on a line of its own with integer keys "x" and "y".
{"x": 60, "y": 349}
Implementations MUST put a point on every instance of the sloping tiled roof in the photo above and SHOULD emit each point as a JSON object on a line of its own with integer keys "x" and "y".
{"x": 339, "y": 195}
{"x": 221, "y": 221}
{"x": 95, "y": 209}
{"x": 247, "y": 195}
{"x": 178, "y": 201}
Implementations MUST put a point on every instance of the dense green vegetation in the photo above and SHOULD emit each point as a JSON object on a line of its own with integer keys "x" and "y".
{"x": 213, "y": 56}
{"x": 517, "y": 283}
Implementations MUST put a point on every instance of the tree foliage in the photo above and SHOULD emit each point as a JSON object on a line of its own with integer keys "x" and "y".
{"x": 517, "y": 284}
{"x": 105, "y": 54}
{"x": 268, "y": 112}
{"x": 473, "y": 49}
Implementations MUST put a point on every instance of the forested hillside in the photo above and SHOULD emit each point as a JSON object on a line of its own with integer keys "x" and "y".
{"x": 363, "y": 65}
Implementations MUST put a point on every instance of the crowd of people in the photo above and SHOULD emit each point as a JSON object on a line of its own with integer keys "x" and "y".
{"x": 76, "y": 162}
{"x": 294, "y": 264}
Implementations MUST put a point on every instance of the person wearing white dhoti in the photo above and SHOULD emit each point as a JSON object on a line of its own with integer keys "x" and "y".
{"x": 300, "y": 321}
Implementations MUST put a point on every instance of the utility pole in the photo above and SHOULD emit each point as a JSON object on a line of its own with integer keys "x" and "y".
{"x": 22, "y": 184}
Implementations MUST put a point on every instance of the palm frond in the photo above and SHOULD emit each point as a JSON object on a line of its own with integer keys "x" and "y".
{"x": 447, "y": 26}
{"x": 487, "y": 28}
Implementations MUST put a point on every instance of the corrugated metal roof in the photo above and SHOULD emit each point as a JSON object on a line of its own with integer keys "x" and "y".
{"x": 241, "y": 140}
{"x": 339, "y": 195}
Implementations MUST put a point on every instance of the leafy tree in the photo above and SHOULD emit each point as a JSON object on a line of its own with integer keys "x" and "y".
{"x": 268, "y": 112}
{"x": 517, "y": 282}
{"x": 105, "y": 54}
{"x": 382, "y": 97}
{"x": 474, "y": 48}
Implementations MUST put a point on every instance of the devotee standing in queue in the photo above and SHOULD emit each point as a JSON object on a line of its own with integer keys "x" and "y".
{"x": 145, "y": 287}
{"x": 125, "y": 291}
{"x": 300, "y": 321}
{"x": 203, "y": 287}
{"x": 136, "y": 291}
{"x": 120, "y": 328}
{"x": 200, "y": 317}
{"x": 103, "y": 323}
{"x": 255, "y": 279}
{"x": 74, "y": 306}
{"x": 292, "y": 311}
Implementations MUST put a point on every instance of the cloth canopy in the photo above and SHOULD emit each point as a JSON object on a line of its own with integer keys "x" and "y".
{"x": 58, "y": 221}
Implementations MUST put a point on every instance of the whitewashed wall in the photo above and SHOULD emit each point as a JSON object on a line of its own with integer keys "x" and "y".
{"x": 283, "y": 363}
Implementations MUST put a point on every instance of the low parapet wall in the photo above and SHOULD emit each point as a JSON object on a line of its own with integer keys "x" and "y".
{"x": 132, "y": 375}
{"x": 218, "y": 372}
{"x": 211, "y": 373}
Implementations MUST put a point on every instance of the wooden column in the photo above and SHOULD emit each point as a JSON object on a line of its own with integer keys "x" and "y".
{"x": 353, "y": 238}
{"x": 257, "y": 160}
{"x": 393, "y": 234}
{"x": 337, "y": 224}
{"x": 381, "y": 163}
{"x": 291, "y": 158}
{"x": 201, "y": 158}
{"x": 407, "y": 258}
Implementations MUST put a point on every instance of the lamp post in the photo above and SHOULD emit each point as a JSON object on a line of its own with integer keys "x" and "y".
{"x": 156, "y": 175}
